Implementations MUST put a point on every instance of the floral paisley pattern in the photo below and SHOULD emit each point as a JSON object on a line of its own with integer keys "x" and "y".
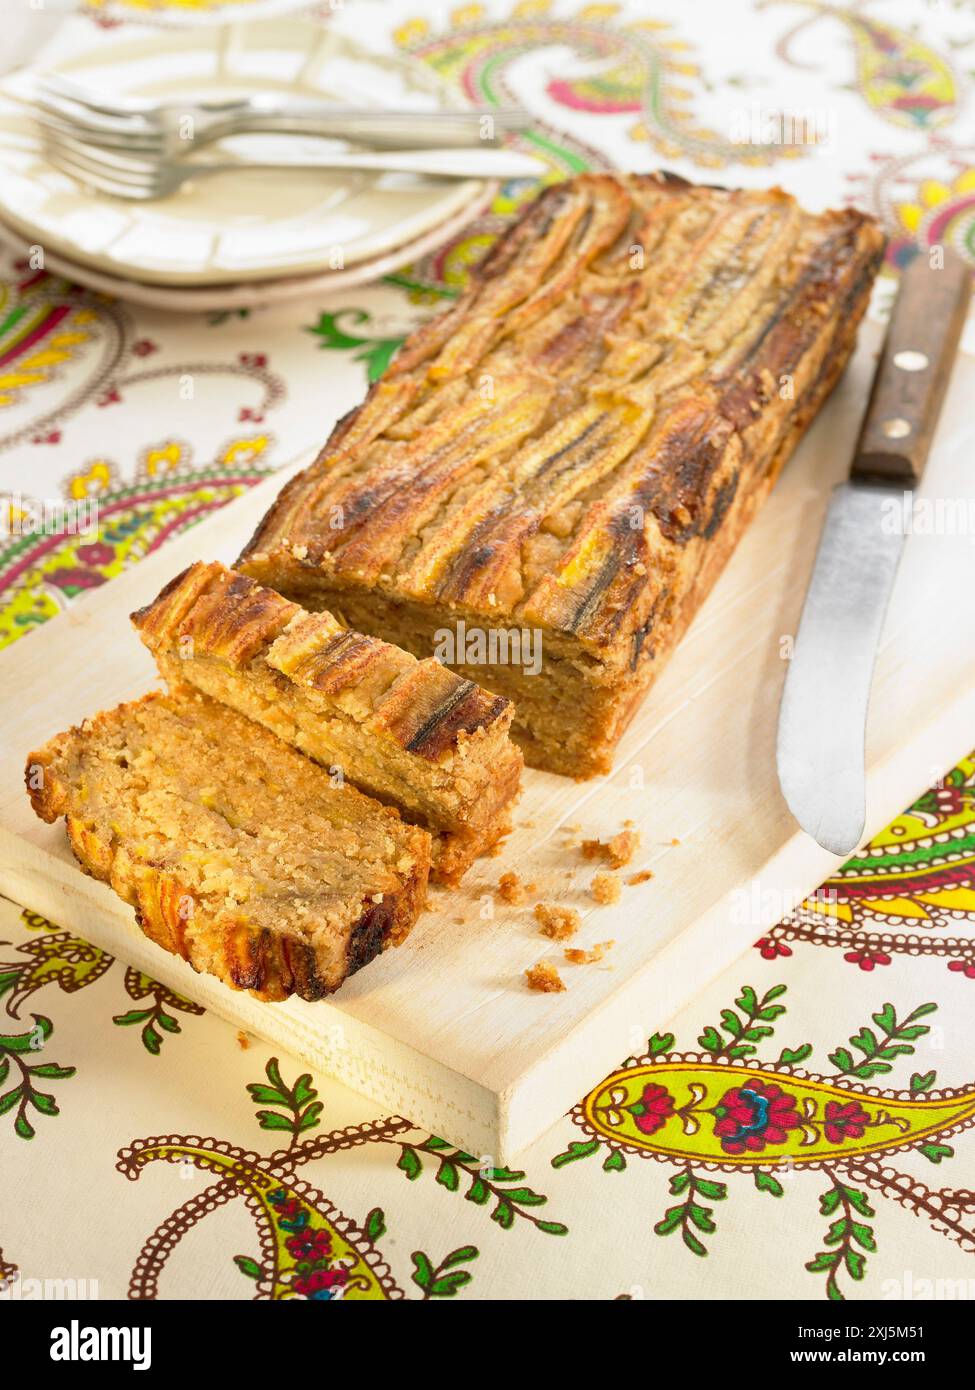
{"x": 839, "y": 1112}
{"x": 901, "y": 77}
{"x": 654, "y": 1108}
{"x": 906, "y": 894}
{"x": 764, "y": 1116}
{"x": 750, "y": 1117}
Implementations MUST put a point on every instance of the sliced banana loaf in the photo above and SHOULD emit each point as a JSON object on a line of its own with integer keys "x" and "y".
{"x": 570, "y": 453}
{"x": 409, "y": 732}
{"x": 237, "y": 853}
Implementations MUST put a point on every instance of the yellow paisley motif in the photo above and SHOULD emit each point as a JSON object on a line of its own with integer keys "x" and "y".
{"x": 901, "y": 78}
{"x": 283, "y": 1210}
{"x": 164, "y": 457}
{"x": 97, "y": 478}
{"x": 695, "y": 1102}
{"x": 243, "y": 451}
{"x": 175, "y": 5}
{"x": 935, "y": 196}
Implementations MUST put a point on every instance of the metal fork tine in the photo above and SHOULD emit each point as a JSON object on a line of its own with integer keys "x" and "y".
{"x": 151, "y": 142}
{"x": 64, "y": 134}
{"x": 133, "y": 157}
{"x": 99, "y": 181}
{"x": 90, "y": 167}
{"x": 103, "y": 184}
{"x": 57, "y": 85}
{"x": 91, "y": 119}
{"x": 81, "y": 160}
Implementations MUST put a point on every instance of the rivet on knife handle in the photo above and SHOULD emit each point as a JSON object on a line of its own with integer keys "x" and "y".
{"x": 912, "y": 376}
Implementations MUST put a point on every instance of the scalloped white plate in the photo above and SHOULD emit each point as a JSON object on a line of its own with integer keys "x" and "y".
{"x": 231, "y": 228}
{"x": 252, "y": 294}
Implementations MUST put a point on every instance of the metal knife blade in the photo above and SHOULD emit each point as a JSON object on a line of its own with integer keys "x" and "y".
{"x": 823, "y": 713}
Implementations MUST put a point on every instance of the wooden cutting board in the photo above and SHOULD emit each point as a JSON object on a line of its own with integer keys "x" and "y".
{"x": 444, "y": 1030}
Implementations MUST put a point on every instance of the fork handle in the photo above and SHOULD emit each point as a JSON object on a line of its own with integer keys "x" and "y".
{"x": 392, "y": 130}
{"x": 464, "y": 164}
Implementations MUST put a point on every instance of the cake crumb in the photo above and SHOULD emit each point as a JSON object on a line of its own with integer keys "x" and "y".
{"x": 512, "y": 890}
{"x": 577, "y": 957}
{"x": 605, "y": 888}
{"x": 618, "y": 850}
{"x": 557, "y": 922}
{"x": 675, "y": 841}
{"x": 643, "y": 876}
{"x": 544, "y": 978}
{"x": 243, "y": 1041}
{"x": 621, "y": 847}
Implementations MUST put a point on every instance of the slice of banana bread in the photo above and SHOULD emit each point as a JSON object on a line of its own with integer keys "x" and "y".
{"x": 237, "y": 853}
{"x": 409, "y": 732}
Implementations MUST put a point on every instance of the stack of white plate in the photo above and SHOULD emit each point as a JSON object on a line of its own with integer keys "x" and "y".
{"x": 244, "y": 239}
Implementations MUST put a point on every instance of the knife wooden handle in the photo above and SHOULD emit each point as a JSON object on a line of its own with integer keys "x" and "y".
{"x": 913, "y": 371}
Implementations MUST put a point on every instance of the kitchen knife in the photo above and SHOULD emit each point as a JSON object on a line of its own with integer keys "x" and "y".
{"x": 823, "y": 714}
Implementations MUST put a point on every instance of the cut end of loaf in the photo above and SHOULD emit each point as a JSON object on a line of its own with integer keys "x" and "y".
{"x": 409, "y": 732}
{"x": 237, "y": 853}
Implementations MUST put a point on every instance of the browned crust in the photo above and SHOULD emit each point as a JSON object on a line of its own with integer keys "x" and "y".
{"x": 614, "y": 394}
{"x": 662, "y": 639}
{"x": 210, "y": 611}
{"x": 209, "y": 614}
{"x": 269, "y": 964}
{"x": 217, "y": 612}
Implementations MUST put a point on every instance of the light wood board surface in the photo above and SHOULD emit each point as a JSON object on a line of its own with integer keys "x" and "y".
{"x": 444, "y": 1030}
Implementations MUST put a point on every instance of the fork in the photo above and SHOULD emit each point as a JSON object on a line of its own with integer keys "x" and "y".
{"x": 167, "y": 128}
{"x": 124, "y": 177}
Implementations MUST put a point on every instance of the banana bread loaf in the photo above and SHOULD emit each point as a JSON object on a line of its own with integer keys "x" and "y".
{"x": 564, "y": 460}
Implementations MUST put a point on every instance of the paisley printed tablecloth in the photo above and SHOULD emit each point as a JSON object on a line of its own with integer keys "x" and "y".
{"x": 808, "y": 1119}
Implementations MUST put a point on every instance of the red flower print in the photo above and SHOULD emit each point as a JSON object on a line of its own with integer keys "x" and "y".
{"x": 770, "y": 949}
{"x": 322, "y": 1283}
{"x": 653, "y": 1109}
{"x": 866, "y": 960}
{"x": 950, "y": 800}
{"x": 917, "y": 101}
{"x": 310, "y": 1245}
{"x": 109, "y": 397}
{"x": 96, "y": 554}
{"x": 253, "y": 359}
{"x": 53, "y": 438}
{"x": 246, "y": 413}
{"x": 144, "y": 347}
{"x": 963, "y": 967}
{"x": 844, "y": 1121}
{"x": 751, "y": 1116}
{"x": 76, "y": 578}
{"x": 289, "y": 1207}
